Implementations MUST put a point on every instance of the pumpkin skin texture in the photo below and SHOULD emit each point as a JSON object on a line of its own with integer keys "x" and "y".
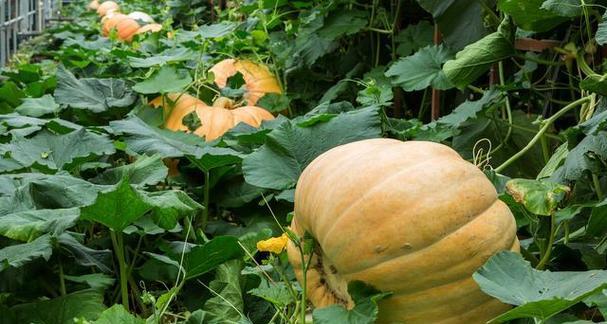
{"x": 111, "y": 22}
{"x": 412, "y": 218}
{"x": 106, "y": 6}
{"x": 127, "y": 28}
{"x": 93, "y": 5}
{"x": 215, "y": 120}
{"x": 258, "y": 78}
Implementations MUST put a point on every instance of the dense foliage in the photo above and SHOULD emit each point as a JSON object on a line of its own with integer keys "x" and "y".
{"x": 107, "y": 217}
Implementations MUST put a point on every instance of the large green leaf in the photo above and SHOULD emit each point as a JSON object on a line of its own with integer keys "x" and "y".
{"x": 365, "y": 309}
{"x": 170, "y": 55}
{"x": 421, "y": 70}
{"x": 83, "y": 255}
{"x": 146, "y": 170}
{"x": 167, "y": 79}
{"x": 117, "y": 207}
{"x": 538, "y": 294}
{"x": 59, "y": 151}
{"x": 227, "y": 306}
{"x": 27, "y": 225}
{"x": 564, "y": 8}
{"x": 17, "y": 255}
{"x": 169, "y": 206}
{"x": 290, "y": 147}
{"x": 96, "y": 95}
{"x": 217, "y": 30}
{"x": 476, "y": 58}
{"x": 529, "y": 15}
{"x": 37, "y": 107}
{"x": 460, "y": 21}
{"x": 204, "y": 258}
{"x": 85, "y": 304}
{"x": 414, "y": 38}
{"x": 587, "y": 155}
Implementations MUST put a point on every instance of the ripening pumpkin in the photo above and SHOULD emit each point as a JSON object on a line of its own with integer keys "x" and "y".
{"x": 106, "y": 6}
{"x": 258, "y": 78}
{"x": 93, "y": 5}
{"x": 413, "y": 218}
{"x": 127, "y": 28}
{"x": 215, "y": 120}
{"x": 110, "y": 21}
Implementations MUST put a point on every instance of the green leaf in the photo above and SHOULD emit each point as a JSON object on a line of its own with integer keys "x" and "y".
{"x": 594, "y": 84}
{"x": 85, "y": 256}
{"x": 169, "y": 206}
{"x": 59, "y": 151}
{"x": 96, "y": 95}
{"x": 365, "y": 307}
{"x": 555, "y": 160}
{"x": 170, "y": 55}
{"x": 17, "y": 255}
{"x": 146, "y": 170}
{"x": 94, "y": 280}
{"x": 27, "y": 225}
{"x": 37, "y": 107}
{"x": 421, "y": 70}
{"x": 227, "y": 304}
{"x": 117, "y": 207}
{"x": 414, "y": 38}
{"x": 204, "y": 258}
{"x": 217, "y": 30}
{"x": 538, "y": 196}
{"x": 563, "y": 8}
{"x": 86, "y": 304}
{"x": 539, "y": 294}
{"x": 529, "y": 15}
{"x": 601, "y": 31}
{"x": 276, "y": 293}
{"x": 588, "y": 155}
{"x": 460, "y": 21}
{"x": 290, "y": 148}
{"x": 167, "y": 79}
{"x": 274, "y": 102}
{"x": 476, "y": 58}
{"x": 117, "y": 314}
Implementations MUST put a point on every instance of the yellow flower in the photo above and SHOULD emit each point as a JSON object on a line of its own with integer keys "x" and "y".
{"x": 274, "y": 244}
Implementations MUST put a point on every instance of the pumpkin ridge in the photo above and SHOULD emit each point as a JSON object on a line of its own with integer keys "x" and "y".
{"x": 412, "y": 251}
{"x": 381, "y": 184}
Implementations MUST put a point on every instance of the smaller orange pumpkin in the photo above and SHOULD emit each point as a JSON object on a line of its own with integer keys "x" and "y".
{"x": 103, "y": 8}
{"x": 110, "y": 22}
{"x": 258, "y": 78}
{"x": 127, "y": 28}
{"x": 93, "y": 5}
{"x": 215, "y": 120}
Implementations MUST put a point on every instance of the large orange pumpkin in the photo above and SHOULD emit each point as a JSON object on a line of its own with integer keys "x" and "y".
{"x": 215, "y": 120}
{"x": 258, "y": 78}
{"x": 149, "y": 28}
{"x": 106, "y": 6}
{"x": 412, "y": 218}
{"x": 127, "y": 28}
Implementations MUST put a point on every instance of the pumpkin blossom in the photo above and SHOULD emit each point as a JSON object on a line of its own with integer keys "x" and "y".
{"x": 274, "y": 244}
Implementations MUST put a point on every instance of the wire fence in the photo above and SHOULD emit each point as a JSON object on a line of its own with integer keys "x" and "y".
{"x": 21, "y": 19}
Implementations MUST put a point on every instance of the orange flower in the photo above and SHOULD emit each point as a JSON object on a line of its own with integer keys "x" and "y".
{"x": 274, "y": 244}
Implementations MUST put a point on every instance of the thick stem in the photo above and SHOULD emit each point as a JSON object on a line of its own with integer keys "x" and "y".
{"x": 597, "y": 186}
{"x": 546, "y": 257}
{"x": 547, "y": 123}
{"x": 119, "y": 250}
{"x": 61, "y": 279}
{"x": 206, "y": 198}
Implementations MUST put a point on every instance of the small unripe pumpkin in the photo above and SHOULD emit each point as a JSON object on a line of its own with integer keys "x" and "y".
{"x": 141, "y": 16}
{"x": 258, "y": 78}
{"x": 149, "y": 28}
{"x": 412, "y": 218}
{"x": 106, "y": 6}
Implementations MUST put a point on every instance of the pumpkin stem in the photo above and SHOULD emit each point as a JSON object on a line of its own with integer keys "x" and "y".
{"x": 223, "y": 102}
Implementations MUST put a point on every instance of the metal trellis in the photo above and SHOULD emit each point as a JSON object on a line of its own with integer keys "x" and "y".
{"x": 20, "y": 19}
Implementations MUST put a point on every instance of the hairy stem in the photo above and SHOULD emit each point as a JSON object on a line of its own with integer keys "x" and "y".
{"x": 122, "y": 266}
